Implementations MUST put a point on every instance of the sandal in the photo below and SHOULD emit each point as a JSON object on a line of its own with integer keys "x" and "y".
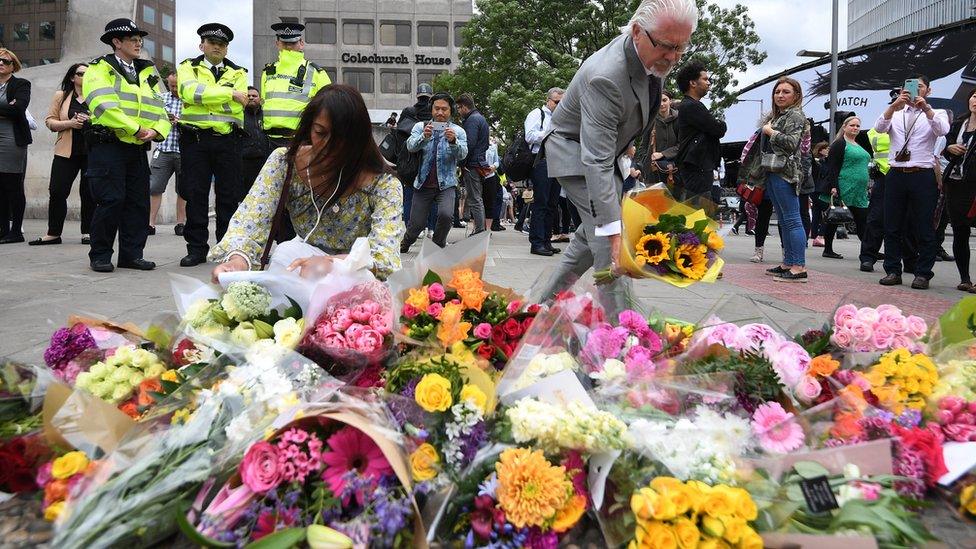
{"x": 965, "y": 287}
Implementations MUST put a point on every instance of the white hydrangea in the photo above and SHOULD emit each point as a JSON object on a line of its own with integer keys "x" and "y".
{"x": 244, "y": 301}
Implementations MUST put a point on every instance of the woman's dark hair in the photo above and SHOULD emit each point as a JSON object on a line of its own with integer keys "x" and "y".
{"x": 966, "y": 114}
{"x": 924, "y": 79}
{"x": 666, "y": 93}
{"x": 67, "y": 86}
{"x": 351, "y": 149}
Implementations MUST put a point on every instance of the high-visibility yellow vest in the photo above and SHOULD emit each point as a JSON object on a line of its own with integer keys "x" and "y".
{"x": 209, "y": 103}
{"x": 881, "y": 143}
{"x": 123, "y": 106}
{"x": 286, "y": 87}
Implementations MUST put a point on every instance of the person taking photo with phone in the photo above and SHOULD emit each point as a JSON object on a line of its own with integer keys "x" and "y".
{"x": 910, "y": 185}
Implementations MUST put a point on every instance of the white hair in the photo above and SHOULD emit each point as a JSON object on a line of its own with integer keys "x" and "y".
{"x": 554, "y": 91}
{"x": 651, "y": 13}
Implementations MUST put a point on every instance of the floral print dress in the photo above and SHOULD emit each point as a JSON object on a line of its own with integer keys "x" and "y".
{"x": 373, "y": 211}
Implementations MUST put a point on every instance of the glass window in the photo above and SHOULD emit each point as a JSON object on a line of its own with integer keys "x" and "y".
{"x": 149, "y": 14}
{"x": 395, "y": 34}
{"x": 168, "y": 54}
{"x": 361, "y": 79}
{"x": 320, "y": 32}
{"x": 288, "y": 19}
{"x": 357, "y": 34}
{"x": 458, "y": 35}
{"x": 149, "y": 45}
{"x": 427, "y": 77}
{"x": 331, "y": 71}
{"x": 432, "y": 34}
{"x": 46, "y": 30}
{"x": 167, "y": 22}
{"x": 395, "y": 81}
{"x": 22, "y": 32}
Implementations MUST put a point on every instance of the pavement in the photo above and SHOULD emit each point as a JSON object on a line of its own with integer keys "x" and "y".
{"x": 41, "y": 286}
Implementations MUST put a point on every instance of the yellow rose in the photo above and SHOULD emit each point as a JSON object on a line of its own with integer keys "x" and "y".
{"x": 687, "y": 533}
{"x": 660, "y": 536}
{"x": 476, "y": 396}
{"x": 69, "y": 464}
{"x": 710, "y": 543}
{"x": 423, "y": 462}
{"x": 750, "y": 539}
{"x": 745, "y": 508}
{"x": 712, "y": 526}
{"x": 967, "y": 499}
{"x": 418, "y": 299}
{"x": 433, "y": 393}
{"x": 648, "y": 504}
{"x": 734, "y": 529}
{"x": 53, "y": 511}
{"x": 715, "y": 241}
{"x": 717, "y": 503}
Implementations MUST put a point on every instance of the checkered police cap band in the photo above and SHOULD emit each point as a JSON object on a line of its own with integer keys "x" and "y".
{"x": 215, "y": 33}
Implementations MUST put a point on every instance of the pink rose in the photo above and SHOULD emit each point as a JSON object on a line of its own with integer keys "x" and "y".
{"x": 380, "y": 323}
{"x": 482, "y": 331}
{"x": 791, "y": 362}
{"x": 513, "y": 307}
{"x": 435, "y": 309}
{"x": 882, "y": 337}
{"x": 902, "y": 342}
{"x": 436, "y": 292}
{"x": 259, "y": 471}
{"x": 754, "y": 336}
{"x": 410, "y": 311}
{"x": 807, "y": 389}
{"x": 894, "y": 321}
{"x": 860, "y": 331}
{"x": 341, "y": 319}
{"x": 844, "y": 314}
{"x": 842, "y": 337}
{"x": 867, "y": 315}
{"x": 44, "y": 474}
{"x": 368, "y": 341}
{"x": 917, "y": 326}
{"x": 887, "y": 308}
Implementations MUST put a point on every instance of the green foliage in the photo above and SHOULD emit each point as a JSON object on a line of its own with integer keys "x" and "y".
{"x": 755, "y": 378}
{"x": 515, "y": 50}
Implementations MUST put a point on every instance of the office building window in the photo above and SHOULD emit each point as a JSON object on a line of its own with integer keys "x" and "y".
{"x": 168, "y": 54}
{"x": 149, "y": 14}
{"x": 432, "y": 34}
{"x": 395, "y": 81}
{"x": 320, "y": 32}
{"x": 22, "y": 32}
{"x": 361, "y": 79}
{"x": 149, "y": 45}
{"x": 357, "y": 33}
{"x": 167, "y": 22}
{"x": 427, "y": 77}
{"x": 458, "y": 35}
{"x": 331, "y": 71}
{"x": 395, "y": 33}
{"x": 46, "y": 30}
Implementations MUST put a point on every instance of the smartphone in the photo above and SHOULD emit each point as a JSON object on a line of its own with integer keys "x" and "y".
{"x": 911, "y": 86}
{"x": 439, "y": 126}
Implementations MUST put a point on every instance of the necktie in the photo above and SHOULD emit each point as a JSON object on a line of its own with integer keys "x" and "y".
{"x": 216, "y": 72}
{"x": 130, "y": 70}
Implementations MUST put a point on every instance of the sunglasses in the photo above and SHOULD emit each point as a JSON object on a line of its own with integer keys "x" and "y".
{"x": 5, "y": 61}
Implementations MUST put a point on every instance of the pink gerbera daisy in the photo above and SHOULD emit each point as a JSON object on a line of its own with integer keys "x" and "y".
{"x": 351, "y": 450}
{"x": 776, "y": 429}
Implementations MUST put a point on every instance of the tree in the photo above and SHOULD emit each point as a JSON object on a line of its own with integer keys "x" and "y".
{"x": 515, "y": 50}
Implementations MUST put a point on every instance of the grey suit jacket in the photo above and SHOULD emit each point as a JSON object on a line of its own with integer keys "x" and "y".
{"x": 605, "y": 107}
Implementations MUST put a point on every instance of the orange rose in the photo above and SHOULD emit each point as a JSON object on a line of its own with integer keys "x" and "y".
{"x": 470, "y": 288}
{"x": 823, "y": 366}
{"x": 846, "y": 426}
{"x": 130, "y": 409}
{"x": 148, "y": 386}
{"x": 56, "y": 490}
{"x": 418, "y": 299}
{"x": 451, "y": 329}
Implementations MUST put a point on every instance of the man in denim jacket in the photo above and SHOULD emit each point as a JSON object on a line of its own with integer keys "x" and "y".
{"x": 436, "y": 181}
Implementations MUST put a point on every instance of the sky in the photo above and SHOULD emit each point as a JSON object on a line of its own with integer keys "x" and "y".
{"x": 784, "y": 27}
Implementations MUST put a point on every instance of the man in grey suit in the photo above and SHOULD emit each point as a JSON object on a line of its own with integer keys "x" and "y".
{"x": 612, "y": 97}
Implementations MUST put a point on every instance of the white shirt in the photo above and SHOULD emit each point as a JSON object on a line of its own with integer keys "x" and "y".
{"x": 922, "y": 135}
{"x": 534, "y": 135}
{"x": 208, "y": 64}
{"x": 126, "y": 66}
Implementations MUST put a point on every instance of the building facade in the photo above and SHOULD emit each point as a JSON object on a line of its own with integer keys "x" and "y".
{"x": 385, "y": 48}
{"x": 158, "y": 18}
{"x": 873, "y": 21}
{"x": 33, "y": 29}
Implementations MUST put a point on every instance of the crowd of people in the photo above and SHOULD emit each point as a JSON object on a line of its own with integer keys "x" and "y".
{"x": 280, "y": 172}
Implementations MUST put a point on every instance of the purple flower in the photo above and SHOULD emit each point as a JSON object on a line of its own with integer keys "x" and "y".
{"x": 66, "y": 344}
{"x": 475, "y": 440}
{"x": 688, "y": 238}
{"x": 542, "y": 540}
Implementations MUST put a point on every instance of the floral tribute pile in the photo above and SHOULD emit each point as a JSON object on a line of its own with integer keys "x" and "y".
{"x": 450, "y": 411}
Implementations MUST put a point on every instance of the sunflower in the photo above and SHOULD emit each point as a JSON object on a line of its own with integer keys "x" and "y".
{"x": 530, "y": 489}
{"x": 691, "y": 260}
{"x": 653, "y": 248}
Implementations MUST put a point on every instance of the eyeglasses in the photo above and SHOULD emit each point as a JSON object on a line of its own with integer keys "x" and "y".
{"x": 678, "y": 49}
{"x": 133, "y": 39}
{"x": 555, "y": 101}
{"x": 5, "y": 61}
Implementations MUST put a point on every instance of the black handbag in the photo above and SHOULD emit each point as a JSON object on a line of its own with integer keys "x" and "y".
{"x": 838, "y": 215}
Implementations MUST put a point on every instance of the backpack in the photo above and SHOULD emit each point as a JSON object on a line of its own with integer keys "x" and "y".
{"x": 390, "y": 146}
{"x": 518, "y": 160}
{"x": 407, "y": 163}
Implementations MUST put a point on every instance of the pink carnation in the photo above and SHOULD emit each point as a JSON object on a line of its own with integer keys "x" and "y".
{"x": 778, "y": 432}
{"x": 436, "y": 292}
{"x": 632, "y": 321}
{"x": 639, "y": 363}
{"x": 482, "y": 331}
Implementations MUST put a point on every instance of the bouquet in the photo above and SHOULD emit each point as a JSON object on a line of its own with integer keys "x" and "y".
{"x": 624, "y": 353}
{"x": 61, "y": 477}
{"x": 667, "y": 240}
{"x": 242, "y": 315}
{"x": 957, "y": 419}
{"x": 957, "y": 372}
{"x": 17, "y": 408}
{"x": 573, "y": 426}
{"x": 902, "y": 380}
{"x": 114, "y": 378}
{"x": 22, "y": 456}
{"x": 877, "y": 329}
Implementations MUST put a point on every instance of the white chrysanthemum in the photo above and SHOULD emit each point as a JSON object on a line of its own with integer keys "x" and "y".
{"x": 244, "y": 301}
{"x": 614, "y": 371}
{"x": 571, "y": 427}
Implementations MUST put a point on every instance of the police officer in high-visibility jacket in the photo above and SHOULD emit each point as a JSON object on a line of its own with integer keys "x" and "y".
{"x": 214, "y": 92}
{"x": 288, "y": 84}
{"x": 124, "y": 94}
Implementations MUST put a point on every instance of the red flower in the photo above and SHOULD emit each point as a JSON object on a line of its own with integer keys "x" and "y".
{"x": 928, "y": 444}
{"x": 527, "y": 323}
{"x": 18, "y": 472}
{"x": 498, "y": 336}
{"x": 512, "y": 328}
{"x": 486, "y": 351}
{"x": 533, "y": 309}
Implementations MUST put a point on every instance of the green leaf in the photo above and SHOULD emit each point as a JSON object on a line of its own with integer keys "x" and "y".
{"x": 810, "y": 469}
{"x": 221, "y": 317}
{"x": 191, "y": 533}
{"x": 282, "y": 539}
{"x": 263, "y": 329}
{"x": 430, "y": 278}
{"x": 294, "y": 310}
{"x": 700, "y": 226}
{"x": 169, "y": 386}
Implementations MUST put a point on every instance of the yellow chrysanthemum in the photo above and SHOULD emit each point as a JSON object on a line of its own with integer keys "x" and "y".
{"x": 653, "y": 248}
{"x": 570, "y": 514}
{"x": 691, "y": 261}
{"x": 530, "y": 489}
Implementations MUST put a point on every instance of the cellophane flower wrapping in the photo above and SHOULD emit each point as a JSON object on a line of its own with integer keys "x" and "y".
{"x": 197, "y": 432}
{"x": 667, "y": 240}
{"x": 21, "y": 394}
{"x": 956, "y": 364}
{"x": 861, "y": 329}
{"x": 340, "y": 463}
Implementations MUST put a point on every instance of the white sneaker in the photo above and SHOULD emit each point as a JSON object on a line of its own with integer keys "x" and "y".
{"x": 758, "y": 256}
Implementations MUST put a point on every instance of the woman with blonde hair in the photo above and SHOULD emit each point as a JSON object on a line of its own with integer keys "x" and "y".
{"x": 847, "y": 181}
{"x": 15, "y": 135}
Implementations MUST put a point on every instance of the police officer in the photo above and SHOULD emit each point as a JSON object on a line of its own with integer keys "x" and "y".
{"x": 214, "y": 92}
{"x": 288, "y": 84}
{"x": 125, "y": 97}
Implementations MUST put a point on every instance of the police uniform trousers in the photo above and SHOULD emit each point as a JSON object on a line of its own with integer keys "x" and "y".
{"x": 118, "y": 174}
{"x": 204, "y": 156}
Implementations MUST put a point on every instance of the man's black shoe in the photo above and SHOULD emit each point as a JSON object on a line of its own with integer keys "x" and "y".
{"x": 192, "y": 260}
{"x": 944, "y": 256}
{"x": 152, "y": 230}
{"x": 541, "y": 251}
{"x": 178, "y": 229}
{"x": 12, "y": 238}
{"x": 554, "y": 250}
{"x": 497, "y": 227}
{"x": 920, "y": 283}
{"x": 102, "y": 266}
{"x": 867, "y": 267}
{"x": 891, "y": 280}
{"x": 138, "y": 264}
{"x": 832, "y": 255}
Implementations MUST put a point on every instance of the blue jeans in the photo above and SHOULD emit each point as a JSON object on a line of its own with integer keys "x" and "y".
{"x": 787, "y": 207}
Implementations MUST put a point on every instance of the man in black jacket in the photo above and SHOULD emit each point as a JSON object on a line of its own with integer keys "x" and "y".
{"x": 256, "y": 146}
{"x": 419, "y": 112}
{"x": 698, "y": 134}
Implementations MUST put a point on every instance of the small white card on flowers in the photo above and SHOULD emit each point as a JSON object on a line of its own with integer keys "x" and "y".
{"x": 560, "y": 388}
{"x": 959, "y": 457}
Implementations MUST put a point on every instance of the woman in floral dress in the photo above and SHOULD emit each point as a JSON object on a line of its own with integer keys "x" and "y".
{"x": 339, "y": 189}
